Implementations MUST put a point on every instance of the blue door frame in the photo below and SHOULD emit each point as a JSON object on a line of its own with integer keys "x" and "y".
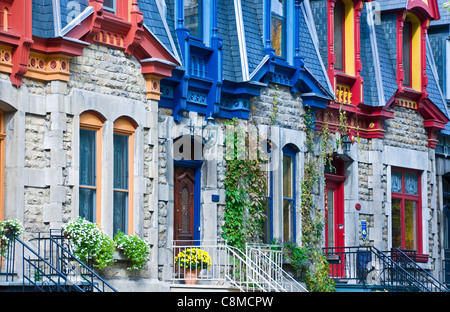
{"x": 196, "y": 164}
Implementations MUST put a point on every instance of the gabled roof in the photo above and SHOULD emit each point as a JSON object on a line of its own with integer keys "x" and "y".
{"x": 52, "y": 19}
{"x": 156, "y": 22}
{"x": 429, "y": 8}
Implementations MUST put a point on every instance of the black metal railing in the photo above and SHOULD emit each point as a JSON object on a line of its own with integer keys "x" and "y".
{"x": 394, "y": 270}
{"x": 49, "y": 265}
{"x": 7, "y": 259}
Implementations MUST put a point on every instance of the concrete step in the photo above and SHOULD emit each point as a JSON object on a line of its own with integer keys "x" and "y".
{"x": 202, "y": 288}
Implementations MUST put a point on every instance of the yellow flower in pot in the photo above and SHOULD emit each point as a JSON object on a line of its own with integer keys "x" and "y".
{"x": 191, "y": 261}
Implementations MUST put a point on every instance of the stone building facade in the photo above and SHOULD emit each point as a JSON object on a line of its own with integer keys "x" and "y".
{"x": 142, "y": 71}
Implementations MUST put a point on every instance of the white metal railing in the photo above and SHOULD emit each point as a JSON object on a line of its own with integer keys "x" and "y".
{"x": 259, "y": 268}
{"x": 269, "y": 258}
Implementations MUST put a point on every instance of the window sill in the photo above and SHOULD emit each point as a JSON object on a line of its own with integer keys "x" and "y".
{"x": 343, "y": 78}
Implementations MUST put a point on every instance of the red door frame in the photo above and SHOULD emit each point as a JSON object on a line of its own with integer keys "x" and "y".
{"x": 335, "y": 182}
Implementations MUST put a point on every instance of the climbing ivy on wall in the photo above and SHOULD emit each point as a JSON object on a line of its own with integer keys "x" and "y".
{"x": 245, "y": 185}
{"x": 313, "y": 222}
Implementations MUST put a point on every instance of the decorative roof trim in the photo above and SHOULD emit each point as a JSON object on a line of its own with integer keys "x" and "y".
{"x": 77, "y": 20}
{"x": 169, "y": 35}
{"x": 175, "y": 56}
{"x": 57, "y": 17}
{"x": 260, "y": 65}
{"x": 306, "y": 8}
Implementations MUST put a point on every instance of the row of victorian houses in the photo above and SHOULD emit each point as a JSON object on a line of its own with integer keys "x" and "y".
{"x": 96, "y": 96}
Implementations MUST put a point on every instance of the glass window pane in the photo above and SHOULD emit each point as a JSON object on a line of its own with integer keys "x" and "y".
{"x": 87, "y": 204}
{"x": 339, "y": 11}
{"x": 288, "y": 228}
{"x": 87, "y": 157}
{"x": 288, "y": 177}
{"x": 120, "y": 161}
{"x": 396, "y": 223}
{"x": 411, "y": 184}
{"x": 446, "y": 229}
{"x": 278, "y": 25}
{"x": 109, "y": 5}
{"x": 407, "y": 28}
{"x": 277, "y": 7}
{"x": 410, "y": 225}
{"x": 396, "y": 182}
{"x": 192, "y": 17}
{"x": 330, "y": 218}
{"x": 120, "y": 216}
{"x": 277, "y": 35}
{"x": 268, "y": 222}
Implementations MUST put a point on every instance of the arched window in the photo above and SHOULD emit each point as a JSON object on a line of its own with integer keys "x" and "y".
{"x": 124, "y": 130}
{"x": 91, "y": 125}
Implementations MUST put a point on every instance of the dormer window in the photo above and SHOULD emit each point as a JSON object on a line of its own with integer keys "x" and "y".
{"x": 193, "y": 17}
{"x": 109, "y": 6}
{"x": 344, "y": 36}
{"x": 407, "y": 36}
{"x": 278, "y": 25}
{"x": 339, "y": 20}
{"x": 411, "y": 50}
{"x": 344, "y": 66}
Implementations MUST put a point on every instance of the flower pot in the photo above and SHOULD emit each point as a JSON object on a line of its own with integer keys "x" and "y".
{"x": 191, "y": 276}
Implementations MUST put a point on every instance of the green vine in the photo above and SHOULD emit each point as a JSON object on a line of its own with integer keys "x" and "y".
{"x": 245, "y": 185}
{"x": 274, "y": 114}
{"x": 309, "y": 258}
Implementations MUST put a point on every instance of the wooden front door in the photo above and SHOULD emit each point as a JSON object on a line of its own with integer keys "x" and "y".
{"x": 184, "y": 204}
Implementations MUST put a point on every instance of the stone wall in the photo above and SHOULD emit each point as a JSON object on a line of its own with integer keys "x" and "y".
{"x": 108, "y": 71}
{"x": 279, "y": 107}
{"x": 406, "y": 130}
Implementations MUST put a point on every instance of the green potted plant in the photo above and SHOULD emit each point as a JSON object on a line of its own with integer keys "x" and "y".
{"x": 8, "y": 230}
{"x": 90, "y": 242}
{"x": 134, "y": 248}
